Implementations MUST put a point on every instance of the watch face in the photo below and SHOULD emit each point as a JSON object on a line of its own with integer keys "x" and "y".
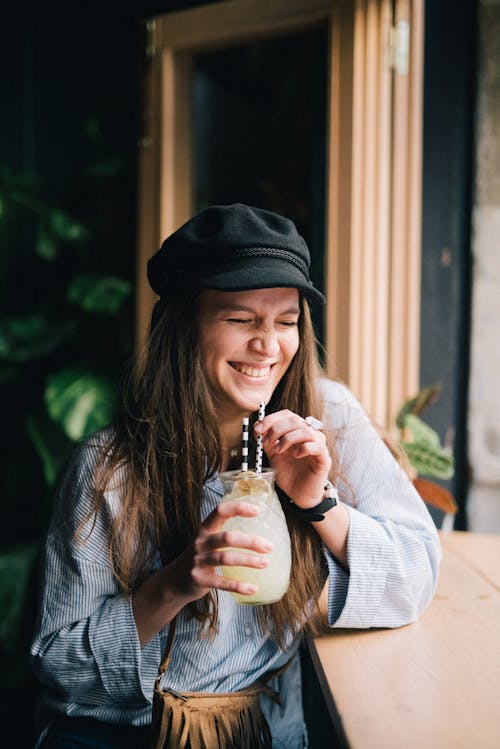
{"x": 331, "y": 492}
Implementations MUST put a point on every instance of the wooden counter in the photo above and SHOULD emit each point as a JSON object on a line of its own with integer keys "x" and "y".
{"x": 434, "y": 684}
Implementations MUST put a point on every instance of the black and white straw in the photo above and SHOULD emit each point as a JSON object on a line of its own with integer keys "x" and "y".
{"x": 258, "y": 456}
{"x": 244, "y": 445}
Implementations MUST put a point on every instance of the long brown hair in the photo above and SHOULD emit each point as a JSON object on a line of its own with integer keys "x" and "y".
{"x": 167, "y": 438}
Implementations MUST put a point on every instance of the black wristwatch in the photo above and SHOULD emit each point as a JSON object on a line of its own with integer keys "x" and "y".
{"x": 317, "y": 513}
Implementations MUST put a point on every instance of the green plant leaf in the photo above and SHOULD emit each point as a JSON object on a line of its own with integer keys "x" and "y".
{"x": 23, "y": 339}
{"x": 50, "y": 442}
{"x": 15, "y": 569}
{"x": 433, "y": 462}
{"x": 426, "y": 397}
{"x": 63, "y": 226}
{"x": 104, "y": 295}
{"x": 421, "y": 432}
{"x": 79, "y": 401}
{"x": 46, "y": 246}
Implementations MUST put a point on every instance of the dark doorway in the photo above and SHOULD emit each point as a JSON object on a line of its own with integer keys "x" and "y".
{"x": 259, "y": 132}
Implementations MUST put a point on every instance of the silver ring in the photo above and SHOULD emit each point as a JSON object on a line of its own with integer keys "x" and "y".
{"x": 314, "y": 423}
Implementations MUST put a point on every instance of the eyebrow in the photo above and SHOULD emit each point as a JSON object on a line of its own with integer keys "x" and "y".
{"x": 295, "y": 310}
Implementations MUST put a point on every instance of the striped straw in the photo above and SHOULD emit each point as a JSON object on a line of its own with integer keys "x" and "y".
{"x": 258, "y": 456}
{"x": 244, "y": 445}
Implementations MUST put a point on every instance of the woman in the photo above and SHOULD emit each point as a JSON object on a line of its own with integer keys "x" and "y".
{"x": 137, "y": 536}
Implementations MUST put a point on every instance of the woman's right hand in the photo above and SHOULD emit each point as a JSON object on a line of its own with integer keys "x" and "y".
{"x": 193, "y": 573}
{"x": 195, "y": 568}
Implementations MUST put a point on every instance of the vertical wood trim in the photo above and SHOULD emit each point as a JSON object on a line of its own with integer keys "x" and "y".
{"x": 182, "y": 154}
{"x": 415, "y": 161}
{"x": 406, "y": 215}
{"x": 371, "y": 204}
{"x": 164, "y": 167}
{"x": 167, "y": 152}
{"x": 398, "y": 364}
{"x": 381, "y": 385}
{"x": 149, "y": 178}
{"x": 338, "y": 186}
{"x": 357, "y": 193}
{"x": 175, "y": 194}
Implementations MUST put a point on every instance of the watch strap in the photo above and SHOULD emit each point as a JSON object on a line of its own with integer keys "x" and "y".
{"x": 317, "y": 513}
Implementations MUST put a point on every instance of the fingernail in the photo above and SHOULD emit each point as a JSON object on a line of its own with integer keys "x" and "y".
{"x": 250, "y": 589}
{"x": 267, "y": 545}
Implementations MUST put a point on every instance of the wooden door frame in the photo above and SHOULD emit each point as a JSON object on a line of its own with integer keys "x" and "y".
{"x": 372, "y": 231}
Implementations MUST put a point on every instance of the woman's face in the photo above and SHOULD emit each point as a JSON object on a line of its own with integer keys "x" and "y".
{"x": 247, "y": 341}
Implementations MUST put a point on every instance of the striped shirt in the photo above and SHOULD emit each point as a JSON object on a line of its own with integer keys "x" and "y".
{"x": 86, "y": 648}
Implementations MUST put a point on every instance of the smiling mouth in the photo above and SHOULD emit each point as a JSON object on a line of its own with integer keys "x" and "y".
{"x": 246, "y": 369}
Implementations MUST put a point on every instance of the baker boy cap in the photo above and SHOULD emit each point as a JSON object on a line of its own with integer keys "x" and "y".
{"x": 233, "y": 248}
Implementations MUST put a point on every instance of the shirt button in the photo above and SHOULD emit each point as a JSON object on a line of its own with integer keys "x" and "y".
{"x": 248, "y": 631}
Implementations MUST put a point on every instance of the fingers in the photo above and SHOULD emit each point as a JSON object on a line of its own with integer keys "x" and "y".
{"x": 302, "y": 439}
{"x": 211, "y": 580}
{"x": 227, "y": 510}
{"x": 207, "y": 560}
{"x": 215, "y": 547}
{"x": 285, "y": 431}
{"x": 230, "y": 558}
{"x": 231, "y": 538}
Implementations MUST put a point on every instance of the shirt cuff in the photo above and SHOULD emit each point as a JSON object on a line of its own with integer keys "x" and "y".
{"x": 354, "y": 596}
{"x": 125, "y": 669}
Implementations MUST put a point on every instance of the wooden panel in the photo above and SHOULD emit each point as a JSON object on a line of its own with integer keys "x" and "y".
{"x": 404, "y": 359}
{"x": 164, "y": 166}
{"x": 175, "y": 191}
{"x": 149, "y": 177}
{"x": 376, "y": 206}
{"x": 229, "y": 22}
{"x": 339, "y": 193}
{"x": 355, "y": 363}
{"x": 381, "y": 385}
{"x": 363, "y": 356}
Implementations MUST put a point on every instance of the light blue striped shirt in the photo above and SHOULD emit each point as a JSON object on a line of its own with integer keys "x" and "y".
{"x": 86, "y": 649}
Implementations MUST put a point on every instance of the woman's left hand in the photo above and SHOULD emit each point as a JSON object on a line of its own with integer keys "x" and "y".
{"x": 299, "y": 455}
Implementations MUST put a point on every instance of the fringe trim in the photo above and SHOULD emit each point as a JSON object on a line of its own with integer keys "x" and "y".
{"x": 210, "y": 721}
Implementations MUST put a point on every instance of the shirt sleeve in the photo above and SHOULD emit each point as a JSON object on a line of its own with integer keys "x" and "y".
{"x": 393, "y": 549}
{"x": 86, "y": 645}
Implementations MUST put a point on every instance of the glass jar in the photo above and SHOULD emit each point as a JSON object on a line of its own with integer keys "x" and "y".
{"x": 258, "y": 488}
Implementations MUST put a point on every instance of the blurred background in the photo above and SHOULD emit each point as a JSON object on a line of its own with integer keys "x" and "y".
{"x": 71, "y": 81}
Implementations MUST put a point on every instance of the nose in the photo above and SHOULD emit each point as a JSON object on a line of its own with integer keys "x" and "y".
{"x": 265, "y": 342}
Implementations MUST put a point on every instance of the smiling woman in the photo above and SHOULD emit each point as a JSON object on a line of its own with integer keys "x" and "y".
{"x": 247, "y": 342}
{"x": 138, "y": 538}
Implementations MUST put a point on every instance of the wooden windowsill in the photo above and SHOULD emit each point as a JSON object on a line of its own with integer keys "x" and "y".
{"x": 434, "y": 683}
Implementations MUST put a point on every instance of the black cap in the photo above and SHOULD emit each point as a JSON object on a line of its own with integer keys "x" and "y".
{"x": 233, "y": 248}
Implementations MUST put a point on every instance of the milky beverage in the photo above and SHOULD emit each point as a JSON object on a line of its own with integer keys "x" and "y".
{"x": 258, "y": 489}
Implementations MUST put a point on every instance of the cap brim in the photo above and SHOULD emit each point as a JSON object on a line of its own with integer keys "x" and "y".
{"x": 261, "y": 273}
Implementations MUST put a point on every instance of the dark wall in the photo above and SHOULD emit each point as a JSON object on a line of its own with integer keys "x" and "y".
{"x": 449, "y": 100}
{"x": 69, "y": 82}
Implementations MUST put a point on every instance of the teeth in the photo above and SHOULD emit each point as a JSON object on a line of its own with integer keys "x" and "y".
{"x": 252, "y": 371}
